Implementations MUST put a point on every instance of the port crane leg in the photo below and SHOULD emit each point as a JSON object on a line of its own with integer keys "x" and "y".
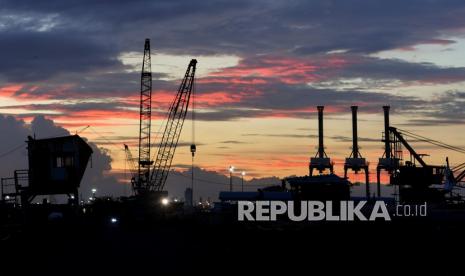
{"x": 378, "y": 182}
{"x": 367, "y": 181}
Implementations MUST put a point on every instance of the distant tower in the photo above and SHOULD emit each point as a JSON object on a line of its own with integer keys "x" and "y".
{"x": 321, "y": 161}
{"x": 188, "y": 197}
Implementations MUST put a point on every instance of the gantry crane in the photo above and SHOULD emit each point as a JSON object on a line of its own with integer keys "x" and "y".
{"x": 355, "y": 161}
{"x": 150, "y": 175}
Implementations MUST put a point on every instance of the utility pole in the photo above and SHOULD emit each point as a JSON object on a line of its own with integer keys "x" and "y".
{"x": 193, "y": 150}
{"x": 242, "y": 178}
{"x": 193, "y": 147}
{"x": 231, "y": 170}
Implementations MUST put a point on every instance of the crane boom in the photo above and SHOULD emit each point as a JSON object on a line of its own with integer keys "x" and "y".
{"x": 144, "y": 162}
{"x": 169, "y": 141}
{"x": 132, "y": 165}
{"x": 417, "y": 157}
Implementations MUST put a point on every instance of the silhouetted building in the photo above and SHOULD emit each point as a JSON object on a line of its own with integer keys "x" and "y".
{"x": 321, "y": 187}
{"x": 56, "y": 166}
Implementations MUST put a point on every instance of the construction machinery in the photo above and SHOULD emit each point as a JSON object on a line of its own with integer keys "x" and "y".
{"x": 149, "y": 176}
{"x": 414, "y": 176}
{"x": 145, "y": 123}
{"x": 417, "y": 180}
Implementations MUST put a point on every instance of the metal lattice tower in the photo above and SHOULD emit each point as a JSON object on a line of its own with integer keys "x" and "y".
{"x": 169, "y": 142}
{"x": 145, "y": 163}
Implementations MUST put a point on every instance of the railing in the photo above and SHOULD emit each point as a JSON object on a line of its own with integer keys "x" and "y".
{"x": 10, "y": 187}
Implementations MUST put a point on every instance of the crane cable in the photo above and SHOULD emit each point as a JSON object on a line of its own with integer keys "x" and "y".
{"x": 162, "y": 125}
{"x": 458, "y": 167}
{"x": 22, "y": 145}
{"x": 193, "y": 146}
{"x": 436, "y": 143}
{"x": 426, "y": 139}
{"x": 193, "y": 110}
{"x": 431, "y": 141}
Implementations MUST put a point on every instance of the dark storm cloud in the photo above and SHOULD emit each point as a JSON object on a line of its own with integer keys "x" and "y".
{"x": 289, "y": 97}
{"x": 104, "y": 29}
{"x": 445, "y": 109}
{"x": 300, "y": 101}
{"x": 370, "y": 26}
{"x": 434, "y": 122}
{"x": 395, "y": 69}
{"x": 283, "y": 100}
{"x": 31, "y": 56}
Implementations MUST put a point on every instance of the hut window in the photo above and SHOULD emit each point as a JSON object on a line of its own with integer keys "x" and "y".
{"x": 64, "y": 161}
{"x": 68, "y": 161}
{"x": 59, "y": 162}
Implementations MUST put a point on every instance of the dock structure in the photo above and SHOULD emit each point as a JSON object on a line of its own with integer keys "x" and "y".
{"x": 355, "y": 161}
{"x": 387, "y": 162}
{"x": 321, "y": 161}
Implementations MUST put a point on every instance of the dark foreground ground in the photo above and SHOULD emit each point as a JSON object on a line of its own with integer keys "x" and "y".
{"x": 202, "y": 245}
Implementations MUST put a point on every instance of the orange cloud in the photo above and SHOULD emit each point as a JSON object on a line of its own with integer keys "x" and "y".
{"x": 286, "y": 70}
{"x": 11, "y": 90}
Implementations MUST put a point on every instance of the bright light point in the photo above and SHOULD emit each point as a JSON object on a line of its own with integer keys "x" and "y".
{"x": 72, "y": 197}
{"x": 114, "y": 220}
{"x": 243, "y": 173}
{"x": 94, "y": 190}
{"x": 165, "y": 201}
{"x": 231, "y": 169}
{"x": 7, "y": 197}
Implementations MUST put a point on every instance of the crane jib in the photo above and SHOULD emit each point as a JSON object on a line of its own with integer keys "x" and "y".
{"x": 170, "y": 138}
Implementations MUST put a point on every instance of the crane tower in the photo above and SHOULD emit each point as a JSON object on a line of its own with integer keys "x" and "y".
{"x": 144, "y": 162}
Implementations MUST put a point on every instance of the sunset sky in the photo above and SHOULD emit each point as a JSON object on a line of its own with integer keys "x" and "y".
{"x": 263, "y": 67}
